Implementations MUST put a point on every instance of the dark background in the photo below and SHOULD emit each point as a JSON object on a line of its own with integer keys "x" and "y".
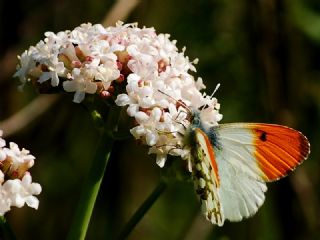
{"x": 265, "y": 54}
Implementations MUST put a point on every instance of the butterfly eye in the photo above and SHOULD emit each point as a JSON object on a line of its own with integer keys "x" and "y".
{"x": 196, "y": 121}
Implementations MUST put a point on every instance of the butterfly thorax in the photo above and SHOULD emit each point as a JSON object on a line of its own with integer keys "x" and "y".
{"x": 197, "y": 123}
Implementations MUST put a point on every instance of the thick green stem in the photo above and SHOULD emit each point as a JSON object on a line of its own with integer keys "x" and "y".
{"x": 90, "y": 191}
{"x": 138, "y": 215}
{"x": 6, "y": 231}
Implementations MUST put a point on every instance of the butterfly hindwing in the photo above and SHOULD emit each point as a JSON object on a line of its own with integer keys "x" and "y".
{"x": 241, "y": 194}
{"x": 206, "y": 177}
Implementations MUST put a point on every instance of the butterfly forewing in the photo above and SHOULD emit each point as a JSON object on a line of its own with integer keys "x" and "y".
{"x": 268, "y": 151}
{"x": 206, "y": 177}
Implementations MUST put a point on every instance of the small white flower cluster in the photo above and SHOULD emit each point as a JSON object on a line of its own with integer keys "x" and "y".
{"x": 16, "y": 186}
{"x": 85, "y": 58}
{"x": 134, "y": 66}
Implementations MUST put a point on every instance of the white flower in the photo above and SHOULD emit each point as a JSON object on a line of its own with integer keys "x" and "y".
{"x": 123, "y": 100}
{"x": 16, "y": 186}
{"x": 54, "y": 72}
{"x": 161, "y": 159}
{"x": 18, "y": 192}
{"x": 19, "y": 160}
{"x": 26, "y": 63}
{"x": 79, "y": 85}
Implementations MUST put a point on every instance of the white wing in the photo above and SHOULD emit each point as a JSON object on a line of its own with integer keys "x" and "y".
{"x": 241, "y": 195}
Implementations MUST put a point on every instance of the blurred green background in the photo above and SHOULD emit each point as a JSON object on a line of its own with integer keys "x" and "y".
{"x": 265, "y": 54}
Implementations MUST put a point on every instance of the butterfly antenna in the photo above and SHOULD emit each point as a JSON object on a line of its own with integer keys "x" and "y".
{"x": 216, "y": 89}
{"x": 211, "y": 96}
{"x": 173, "y": 147}
{"x": 177, "y": 101}
{"x": 167, "y": 95}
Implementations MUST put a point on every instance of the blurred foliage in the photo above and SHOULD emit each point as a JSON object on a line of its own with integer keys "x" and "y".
{"x": 265, "y": 54}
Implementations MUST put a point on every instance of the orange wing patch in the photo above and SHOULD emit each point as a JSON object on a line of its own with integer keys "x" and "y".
{"x": 278, "y": 149}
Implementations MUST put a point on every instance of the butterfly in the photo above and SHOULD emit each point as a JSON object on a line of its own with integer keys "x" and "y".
{"x": 231, "y": 164}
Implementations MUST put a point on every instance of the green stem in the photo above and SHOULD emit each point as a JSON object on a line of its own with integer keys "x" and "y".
{"x": 6, "y": 231}
{"x": 87, "y": 199}
{"x": 138, "y": 215}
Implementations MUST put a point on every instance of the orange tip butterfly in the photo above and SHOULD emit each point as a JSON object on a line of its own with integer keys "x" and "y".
{"x": 231, "y": 164}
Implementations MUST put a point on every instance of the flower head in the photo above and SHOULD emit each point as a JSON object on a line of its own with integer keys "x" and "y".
{"x": 16, "y": 186}
{"x": 134, "y": 67}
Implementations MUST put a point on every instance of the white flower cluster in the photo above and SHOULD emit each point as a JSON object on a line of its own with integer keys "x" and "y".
{"x": 16, "y": 186}
{"x": 137, "y": 68}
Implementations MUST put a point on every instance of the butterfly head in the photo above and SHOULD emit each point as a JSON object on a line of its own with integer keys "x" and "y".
{"x": 187, "y": 114}
{"x": 203, "y": 118}
{"x": 195, "y": 119}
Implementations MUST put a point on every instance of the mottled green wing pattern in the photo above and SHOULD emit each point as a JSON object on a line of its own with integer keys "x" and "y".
{"x": 206, "y": 178}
